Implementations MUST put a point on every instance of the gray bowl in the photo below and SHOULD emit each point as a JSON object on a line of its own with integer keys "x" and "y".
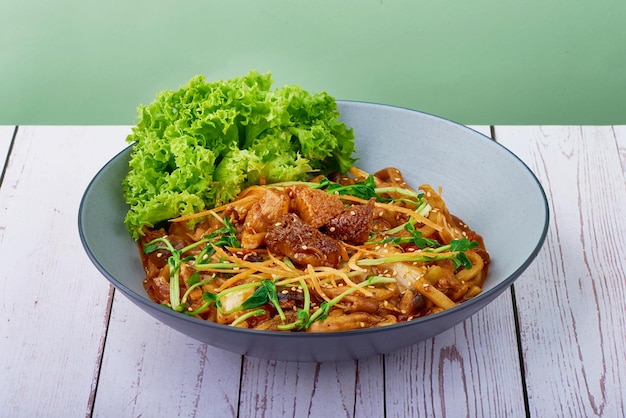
{"x": 483, "y": 183}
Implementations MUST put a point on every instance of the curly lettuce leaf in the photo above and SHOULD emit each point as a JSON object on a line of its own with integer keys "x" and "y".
{"x": 200, "y": 145}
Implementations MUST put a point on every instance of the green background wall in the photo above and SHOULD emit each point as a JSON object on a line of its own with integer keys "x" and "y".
{"x": 476, "y": 62}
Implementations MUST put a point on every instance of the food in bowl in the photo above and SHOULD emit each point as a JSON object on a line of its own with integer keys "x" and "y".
{"x": 272, "y": 252}
{"x": 229, "y": 232}
{"x": 326, "y": 255}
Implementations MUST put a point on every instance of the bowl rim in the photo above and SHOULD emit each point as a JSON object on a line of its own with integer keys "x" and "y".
{"x": 488, "y": 294}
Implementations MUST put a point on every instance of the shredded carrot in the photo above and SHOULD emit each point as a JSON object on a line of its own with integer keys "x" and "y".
{"x": 342, "y": 274}
{"x": 240, "y": 276}
{"x": 281, "y": 263}
{"x": 395, "y": 208}
{"x": 352, "y": 261}
{"x": 196, "y": 215}
{"x": 316, "y": 284}
{"x": 261, "y": 267}
{"x": 312, "y": 277}
{"x": 240, "y": 202}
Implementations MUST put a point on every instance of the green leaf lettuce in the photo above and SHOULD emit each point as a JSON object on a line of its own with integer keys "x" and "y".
{"x": 199, "y": 146}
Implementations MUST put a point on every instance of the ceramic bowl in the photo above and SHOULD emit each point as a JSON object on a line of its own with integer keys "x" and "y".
{"x": 483, "y": 183}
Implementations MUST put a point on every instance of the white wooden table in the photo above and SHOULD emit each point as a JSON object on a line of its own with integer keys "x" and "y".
{"x": 552, "y": 346}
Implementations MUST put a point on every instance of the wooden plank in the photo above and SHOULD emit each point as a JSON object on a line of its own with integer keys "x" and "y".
{"x": 274, "y": 388}
{"x": 6, "y": 135}
{"x": 456, "y": 372}
{"x": 149, "y": 369}
{"x": 54, "y": 302}
{"x": 573, "y": 298}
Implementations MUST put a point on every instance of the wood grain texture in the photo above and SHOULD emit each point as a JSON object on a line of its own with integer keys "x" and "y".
{"x": 573, "y": 298}
{"x": 148, "y": 367}
{"x": 274, "y": 388}
{"x": 290, "y": 389}
{"x": 54, "y": 303}
{"x": 456, "y": 373}
{"x": 72, "y": 346}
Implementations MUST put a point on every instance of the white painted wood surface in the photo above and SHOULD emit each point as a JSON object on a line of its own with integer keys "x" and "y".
{"x": 54, "y": 306}
{"x": 572, "y": 301}
{"x": 71, "y": 346}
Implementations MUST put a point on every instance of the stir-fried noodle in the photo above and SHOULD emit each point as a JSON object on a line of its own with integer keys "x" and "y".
{"x": 336, "y": 254}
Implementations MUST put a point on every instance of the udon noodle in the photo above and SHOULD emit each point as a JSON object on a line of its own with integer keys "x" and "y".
{"x": 330, "y": 254}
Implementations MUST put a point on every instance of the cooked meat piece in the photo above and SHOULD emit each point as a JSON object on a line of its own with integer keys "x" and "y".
{"x": 302, "y": 243}
{"x": 267, "y": 211}
{"x": 315, "y": 207}
{"x": 353, "y": 225}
